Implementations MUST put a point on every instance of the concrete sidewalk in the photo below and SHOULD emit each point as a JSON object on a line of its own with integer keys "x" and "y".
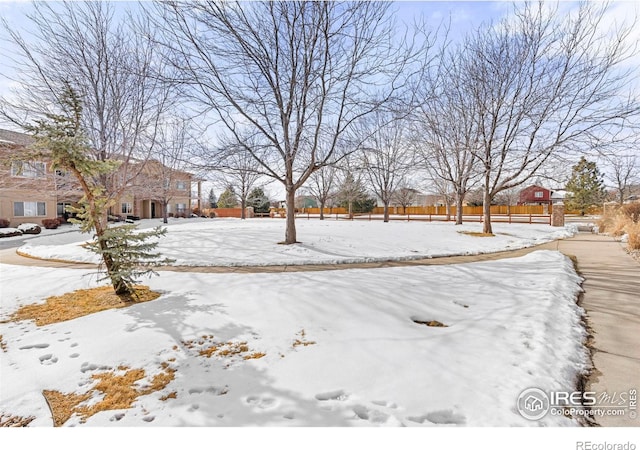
{"x": 612, "y": 302}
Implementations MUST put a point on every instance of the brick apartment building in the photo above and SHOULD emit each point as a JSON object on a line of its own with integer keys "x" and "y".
{"x": 31, "y": 191}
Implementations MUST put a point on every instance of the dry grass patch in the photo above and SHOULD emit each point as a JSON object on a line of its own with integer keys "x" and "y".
{"x": 430, "y": 323}
{"x": 7, "y": 421}
{"x": 633, "y": 231}
{"x": 617, "y": 225}
{"x": 302, "y": 339}
{"x": 3, "y": 346}
{"x": 206, "y": 346}
{"x": 477, "y": 233}
{"x": 117, "y": 389}
{"x": 80, "y": 303}
{"x": 173, "y": 394}
{"x": 623, "y": 220}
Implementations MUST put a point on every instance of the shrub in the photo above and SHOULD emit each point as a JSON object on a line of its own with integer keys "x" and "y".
{"x": 618, "y": 225}
{"x": 4, "y": 223}
{"x": 632, "y": 211}
{"x": 633, "y": 231}
{"x": 9, "y": 232}
{"x": 604, "y": 224}
{"x": 50, "y": 224}
{"x": 29, "y": 228}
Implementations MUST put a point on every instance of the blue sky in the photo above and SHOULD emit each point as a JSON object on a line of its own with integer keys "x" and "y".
{"x": 462, "y": 16}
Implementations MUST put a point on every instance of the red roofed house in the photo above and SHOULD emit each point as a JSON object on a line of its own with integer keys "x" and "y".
{"x": 534, "y": 195}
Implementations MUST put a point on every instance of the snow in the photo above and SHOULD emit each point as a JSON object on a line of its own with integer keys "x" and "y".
{"x": 9, "y": 232}
{"x": 235, "y": 242}
{"x": 512, "y": 324}
{"x": 47, "y": 233}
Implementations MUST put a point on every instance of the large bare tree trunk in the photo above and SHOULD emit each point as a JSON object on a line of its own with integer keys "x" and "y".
{"x": 290, "y": 234}
{"x": 459, "y": 199}
{"x": 243, "y": 206}
{"x": 486, "y": 212}
{"x": 321, "y": 210}
{"x": 386, "y": 211}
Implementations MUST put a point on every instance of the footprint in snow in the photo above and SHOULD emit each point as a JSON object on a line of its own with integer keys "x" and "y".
{"x": 385, "y": 404}
{"x": 332, "y": 395}
{"x": 29, "y": 347}
{"x": 262, "y": 402}
{"x": 443, "y": 417}
{"x": 48, "y": 359}
{"x": 372, "y": 415}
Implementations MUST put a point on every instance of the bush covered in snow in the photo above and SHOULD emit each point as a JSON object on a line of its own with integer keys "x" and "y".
{"x": 30, "y": 228}
{"x": 8, "y": 232}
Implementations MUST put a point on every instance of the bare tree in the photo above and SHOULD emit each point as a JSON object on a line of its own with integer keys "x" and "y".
{"x": 240, "y": 170}
{"x": 542, "y": 83}
{"x": 446, "y": 135}
{"x": 322, "y": 186}
{"x": 113, "y": 68}
{"x": 351, "y": 187}
{"x": 404, "y": 196}
{"x": 386, "y": 157}
{"x": 619, "y": 152}
{"x": 292, "y": 76}
{"x": 164, "y": 171}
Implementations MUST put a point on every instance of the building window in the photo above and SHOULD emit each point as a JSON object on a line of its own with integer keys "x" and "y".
{"x": 181, "y": 185}
{"x": 127, "y": 208}
{"x": 62, "y": 208}
{"x": 28, "y": 169}
{"x": 29, "y": 209}
{"x": 539, "y": 194}
{"x": 181, "y": 208}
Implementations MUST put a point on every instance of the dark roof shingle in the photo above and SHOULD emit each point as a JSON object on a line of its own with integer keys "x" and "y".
{"x": 15, "y": 138}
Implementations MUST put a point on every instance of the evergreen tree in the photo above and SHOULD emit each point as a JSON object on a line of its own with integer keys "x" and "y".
{"x": 350, "y": 192}
{"x": 126, "y": 254}
{"x": 228, "y": 199}
{"x": 585, "y": 187}
{"x": 213, "y": 203}
{"x": 364, "y": 205}
{"x": 259, "y": 201}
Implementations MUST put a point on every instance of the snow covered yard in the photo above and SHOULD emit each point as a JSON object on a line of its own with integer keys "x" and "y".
{"x": 234, "y": 242}
{"x": 307, "y": 349}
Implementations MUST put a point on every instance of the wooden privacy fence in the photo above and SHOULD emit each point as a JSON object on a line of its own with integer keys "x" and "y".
{"x": 441, "y": 210}
{"x": 466, "y": 210}
{"x": 495, "y": 218}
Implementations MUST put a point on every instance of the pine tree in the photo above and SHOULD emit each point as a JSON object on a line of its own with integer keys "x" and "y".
{"x": 585, "y": 187}
{"x": 228, "y": 199}
{"x": 126, "y": 254}
{"x": 351, "y": 194}
{"x": 258, "y": 201}
{"x": 213, "y": 203}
